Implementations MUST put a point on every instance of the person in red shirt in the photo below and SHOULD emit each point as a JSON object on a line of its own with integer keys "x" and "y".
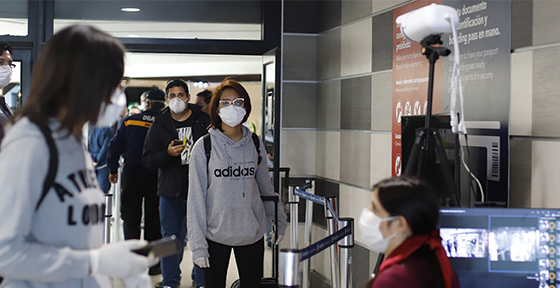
{"x": 401, "y": 222}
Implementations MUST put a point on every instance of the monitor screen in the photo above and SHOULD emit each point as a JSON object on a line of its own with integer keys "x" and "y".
{"x": 502, "y": 247}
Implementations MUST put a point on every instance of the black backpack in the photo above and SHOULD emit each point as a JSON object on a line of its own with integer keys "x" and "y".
{"x": 208, "y": 147}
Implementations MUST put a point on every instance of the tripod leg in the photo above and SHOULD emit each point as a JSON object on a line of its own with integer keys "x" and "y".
{"x": 413, "y": 157}
{"x": 449, "y": 180}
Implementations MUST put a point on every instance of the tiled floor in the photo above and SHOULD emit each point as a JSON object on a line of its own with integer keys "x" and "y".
{"x": 187, "y": 265}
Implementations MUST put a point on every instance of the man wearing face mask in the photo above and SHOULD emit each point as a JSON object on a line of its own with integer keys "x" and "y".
{"x": 167, "y": 148}
{"x": 6, "y": 67}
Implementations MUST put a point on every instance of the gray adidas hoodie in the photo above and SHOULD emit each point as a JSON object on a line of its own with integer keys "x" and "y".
{"x": 224, "y": 203}
{"x": 48, "y": 248}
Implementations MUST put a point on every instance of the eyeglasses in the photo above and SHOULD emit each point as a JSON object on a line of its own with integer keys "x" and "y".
{"x": 4, "y": 63}
{"x": 239, "y": 102}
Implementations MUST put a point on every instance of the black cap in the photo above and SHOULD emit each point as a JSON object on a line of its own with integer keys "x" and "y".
{"x": 155, "y": 94}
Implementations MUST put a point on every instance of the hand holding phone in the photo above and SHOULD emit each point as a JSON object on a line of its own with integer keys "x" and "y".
{"x": 177, "y": 142}
{"x": 161, "y": 248}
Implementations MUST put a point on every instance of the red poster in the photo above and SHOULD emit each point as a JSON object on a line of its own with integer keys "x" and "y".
{"x": 410, "y": 81}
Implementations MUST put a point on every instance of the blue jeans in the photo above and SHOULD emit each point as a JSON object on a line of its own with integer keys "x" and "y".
{"x": 197, "y": 275}
{"x": 103, "y": 178}
{"x": 172, "y": 213}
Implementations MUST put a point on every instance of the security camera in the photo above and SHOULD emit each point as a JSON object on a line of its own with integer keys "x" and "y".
{"x": 429, "y": 20}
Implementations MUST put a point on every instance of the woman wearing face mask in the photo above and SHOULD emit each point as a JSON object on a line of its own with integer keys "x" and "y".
{"x": 402, "y": 223}
{"x": 224, "y": 208}
{"x": 52, "y": 235}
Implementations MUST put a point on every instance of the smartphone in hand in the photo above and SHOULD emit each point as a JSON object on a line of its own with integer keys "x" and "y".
{"x": 177, "y": 142}
{"x": 161, "y": 248}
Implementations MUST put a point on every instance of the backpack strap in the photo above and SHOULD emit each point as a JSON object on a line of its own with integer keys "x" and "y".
{"x": 257, "y": 146}
{"x": 53, "y": 162}
{"x": 207, "y": 147}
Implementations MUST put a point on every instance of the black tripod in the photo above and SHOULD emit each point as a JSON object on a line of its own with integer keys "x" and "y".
{"x": 417, "y": 157}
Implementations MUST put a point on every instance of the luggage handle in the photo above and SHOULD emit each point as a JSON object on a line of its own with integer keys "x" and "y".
{"x": 275, "y": 255}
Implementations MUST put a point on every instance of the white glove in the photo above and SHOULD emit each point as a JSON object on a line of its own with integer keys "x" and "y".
{"x": 202, "y": 262}
{"x": 138, "y": 281}
{"x": 118, "y": 261}
{"x": 278, "y": 240}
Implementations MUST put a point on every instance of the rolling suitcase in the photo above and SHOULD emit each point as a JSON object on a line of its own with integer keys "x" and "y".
{"x": 269, "y": 282}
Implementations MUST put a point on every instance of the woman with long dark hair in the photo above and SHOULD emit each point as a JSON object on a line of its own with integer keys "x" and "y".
{"x": 224, "y": 207}
{"x": 402, "y": 223}
{"x": 52, "y": 209}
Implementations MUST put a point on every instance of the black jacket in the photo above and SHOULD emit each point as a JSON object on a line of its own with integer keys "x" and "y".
{"x": 172, "y": 175}
{"x": 129, "y": 140}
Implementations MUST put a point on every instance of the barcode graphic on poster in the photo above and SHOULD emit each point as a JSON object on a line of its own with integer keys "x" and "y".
{"x": 495, "y": 170}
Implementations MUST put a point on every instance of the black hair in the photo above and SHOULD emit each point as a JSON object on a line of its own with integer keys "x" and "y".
{"x": 177, "y": 83}
{"x": 5, "y": 47}
{"x": 207, "y": 94}
{"x": 78, "y": 70}
{"x": 411, "y": 198}
{"x": 157, "y": 105}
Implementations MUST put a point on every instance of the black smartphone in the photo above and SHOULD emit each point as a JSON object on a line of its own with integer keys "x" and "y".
{"x": 161, "y": 248}
{"x": 177, "y": 142}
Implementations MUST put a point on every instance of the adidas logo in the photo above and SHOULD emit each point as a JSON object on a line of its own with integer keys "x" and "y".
{"x": 237, "y": 172}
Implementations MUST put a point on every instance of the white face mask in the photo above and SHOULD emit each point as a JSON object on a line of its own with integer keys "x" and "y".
{"x": 371, "y": 233}
{"x": 5, "y": 75}
{"x": 232, "y": 115}
{"x": 177, "y": 105}
{"x": 110, "y": 113}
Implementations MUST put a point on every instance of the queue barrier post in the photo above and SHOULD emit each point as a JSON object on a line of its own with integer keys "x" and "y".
{"x": 289, "y": 261}
{"x": 346, "y": 244}
{"x": 307, "y": 236}
{"x": 294, "y": 201}
{"x": 332, "y": 227}
{"x": 108, "y": 215}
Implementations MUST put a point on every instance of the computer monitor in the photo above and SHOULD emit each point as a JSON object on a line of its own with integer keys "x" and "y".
{"x": 503, "y": 247}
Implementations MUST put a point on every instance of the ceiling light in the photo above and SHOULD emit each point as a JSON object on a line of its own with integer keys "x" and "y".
{"x": 130, "y": 9}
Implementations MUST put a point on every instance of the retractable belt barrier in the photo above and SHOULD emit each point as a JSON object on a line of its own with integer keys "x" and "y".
{"x": 324, "y": 243}
{"x": 340, "y": 241}
{"x": 290, "y": 258}
{"x": 316, "y": 199}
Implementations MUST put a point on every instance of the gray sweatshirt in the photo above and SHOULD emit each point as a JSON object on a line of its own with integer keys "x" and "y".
{"x": 224, "y": 203}
{"x": 48, "y": 247}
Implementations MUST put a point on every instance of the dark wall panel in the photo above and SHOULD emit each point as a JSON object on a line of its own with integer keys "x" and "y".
{"x": 360, "y": 263}
{"x": 521, "y": 167}
{"x": 300, "y": 58}
{"x": 301, "y": 16}
{"x": 521, "y": 23}
{"x": 329, "y": 14}
{"x": 299, "y": 109}
{"x": 382, "y": 46}
{"x": 355, "y": 104}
